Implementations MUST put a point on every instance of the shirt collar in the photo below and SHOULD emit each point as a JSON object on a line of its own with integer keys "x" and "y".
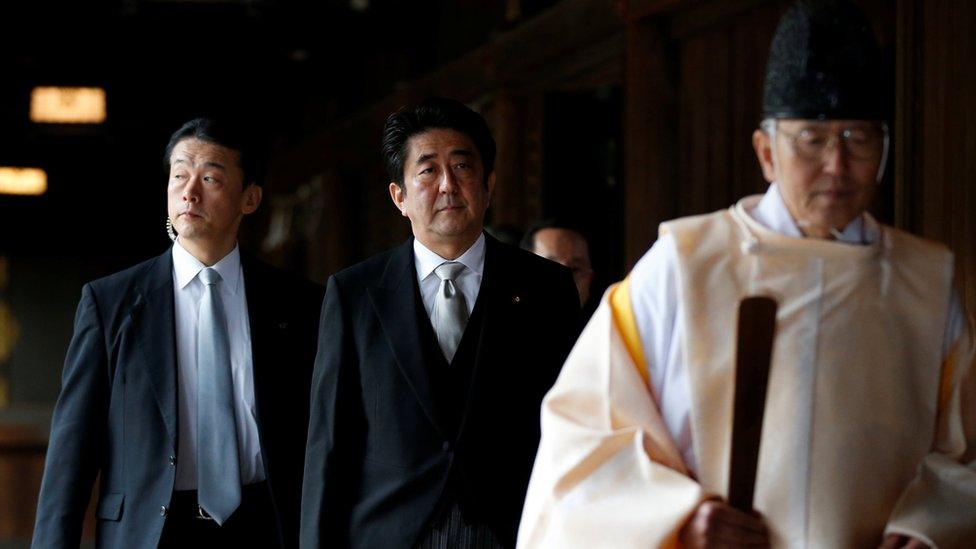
{"x": 771, "y": 212}
{"x": 186, "y": 267}
{"x": 426, "y": 260}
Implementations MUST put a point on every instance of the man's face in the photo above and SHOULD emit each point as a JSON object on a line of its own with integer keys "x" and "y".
{"x": 444, "y": 192}
{"x": 206, "y": 198}
{"x": 826, "y": 170}
{"x": 568, "y": 248}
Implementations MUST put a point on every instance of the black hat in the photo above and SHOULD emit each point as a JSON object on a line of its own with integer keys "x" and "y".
{"x": 824, "y": 63}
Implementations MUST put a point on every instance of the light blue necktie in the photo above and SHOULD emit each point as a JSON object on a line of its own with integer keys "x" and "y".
{"x": 218, "y": 468}
{"x": 450, "y": 313}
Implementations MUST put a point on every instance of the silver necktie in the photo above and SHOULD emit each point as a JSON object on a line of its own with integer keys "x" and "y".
{"x": 450, "y": 313}
{"x": 218, "y": 468}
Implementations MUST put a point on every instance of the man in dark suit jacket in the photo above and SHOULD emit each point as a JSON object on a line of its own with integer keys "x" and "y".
{"x": 428, "y": 382}
{"x": 133, "y": 397}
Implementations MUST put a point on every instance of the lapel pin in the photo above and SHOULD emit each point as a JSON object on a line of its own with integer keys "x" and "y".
{"x": 516, "y": 299}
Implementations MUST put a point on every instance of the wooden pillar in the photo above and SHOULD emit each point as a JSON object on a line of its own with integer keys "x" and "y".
{"x": 516, "y": 123}
{"x": 935, "y": 145}
{"x": 650, "y": 128}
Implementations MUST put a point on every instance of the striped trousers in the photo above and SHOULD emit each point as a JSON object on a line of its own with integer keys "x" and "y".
{"x": 451, "y": 531}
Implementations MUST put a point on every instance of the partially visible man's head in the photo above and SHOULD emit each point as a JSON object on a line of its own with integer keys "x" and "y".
{"x": 212, "y": 182}
{"x": 440, "y": 157}
{"x": 566, "y": 246}
{"x": 823, "y": 139}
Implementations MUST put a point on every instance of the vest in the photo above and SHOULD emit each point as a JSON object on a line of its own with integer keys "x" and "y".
{"x": 450, "y": 383}
{"x": 451, "y": 391}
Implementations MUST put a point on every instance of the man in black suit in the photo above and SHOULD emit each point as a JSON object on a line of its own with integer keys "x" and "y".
{"x": 433, "y": 359}
{"x": 186, "y": 381}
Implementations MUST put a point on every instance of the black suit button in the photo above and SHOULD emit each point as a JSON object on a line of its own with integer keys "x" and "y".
{"x": 172, "y": 461}
{"x": 446, "y": 446}
{"x": 162, "y": 511}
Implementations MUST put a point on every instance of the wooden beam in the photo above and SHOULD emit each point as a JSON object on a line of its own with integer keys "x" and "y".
{"x": 633, "y": 11}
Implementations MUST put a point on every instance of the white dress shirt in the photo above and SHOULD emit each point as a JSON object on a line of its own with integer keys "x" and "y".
{"x": 469, "y": 281}
{"x": 660, "y": 317}
{"x": 188, "y": 291}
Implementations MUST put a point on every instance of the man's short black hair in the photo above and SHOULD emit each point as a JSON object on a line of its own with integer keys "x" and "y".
{"x": 225, "y": 134}
{"x": 434, "y": 113}
{"x": 528, "y": 240}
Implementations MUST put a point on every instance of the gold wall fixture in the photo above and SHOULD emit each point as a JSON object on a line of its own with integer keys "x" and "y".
{"x": 63, "y": 105}
{"x": 23, "y": 181}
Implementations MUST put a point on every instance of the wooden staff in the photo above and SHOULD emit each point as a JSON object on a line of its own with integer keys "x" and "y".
{"x": 754, "y": 347}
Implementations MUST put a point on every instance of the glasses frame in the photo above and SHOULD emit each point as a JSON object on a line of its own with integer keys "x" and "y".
{"x": 771, "y": 127}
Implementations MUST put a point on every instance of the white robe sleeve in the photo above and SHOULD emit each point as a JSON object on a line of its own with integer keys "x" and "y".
{"x": 607, "y": 473}
{"x": 939, "y": 505}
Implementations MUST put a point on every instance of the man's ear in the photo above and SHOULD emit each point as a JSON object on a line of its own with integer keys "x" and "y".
{"x": 398, "y": 195}
{"x": 252, "y": 198}
{"x": 763, "y": 145}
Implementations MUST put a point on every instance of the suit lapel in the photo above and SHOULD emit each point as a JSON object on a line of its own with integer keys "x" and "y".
{"x": 395, "y": 301}
{"x": 154, "y": 323}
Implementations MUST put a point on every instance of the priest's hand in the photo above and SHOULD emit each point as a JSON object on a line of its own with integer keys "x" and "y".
{"x": 717, "y": 524}
{"x": 899, "y": 541}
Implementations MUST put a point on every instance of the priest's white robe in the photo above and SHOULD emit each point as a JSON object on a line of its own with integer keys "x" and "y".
{"x": 870, "y": 424}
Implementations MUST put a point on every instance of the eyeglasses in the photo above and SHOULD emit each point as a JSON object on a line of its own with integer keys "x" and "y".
{"x": 859, "y": 143}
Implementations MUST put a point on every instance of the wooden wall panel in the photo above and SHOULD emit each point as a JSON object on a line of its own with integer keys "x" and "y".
{"x": 650, "y": 146}
{"x": 695, "y": 75}
{"x": 21, "y": 468}
{"x": 701, "y": 128}
{"x": 723, "y": 61}
{"x": 516, "y": 122}
{"x": 936, "y": 165}
{"x": 22, "y": 448}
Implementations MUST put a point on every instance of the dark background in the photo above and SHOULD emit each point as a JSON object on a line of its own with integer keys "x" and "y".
{"x": 287, "y": 68}
{"x": 616, "y": 115}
